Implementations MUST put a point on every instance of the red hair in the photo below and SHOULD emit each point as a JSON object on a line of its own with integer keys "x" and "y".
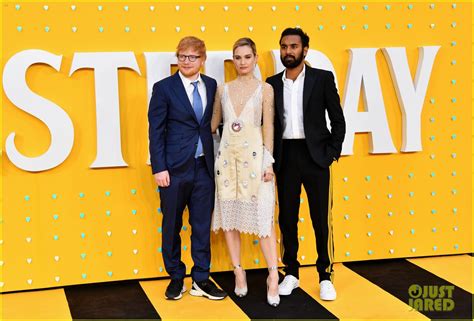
{"x": 191, "y": 43}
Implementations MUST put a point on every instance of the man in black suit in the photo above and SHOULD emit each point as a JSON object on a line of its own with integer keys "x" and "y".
{"x": 304, "y": 151}
{"x": 182, "y": 160}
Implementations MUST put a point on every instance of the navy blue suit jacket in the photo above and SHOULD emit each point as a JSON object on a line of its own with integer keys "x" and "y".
{"x": 174, "y": 130}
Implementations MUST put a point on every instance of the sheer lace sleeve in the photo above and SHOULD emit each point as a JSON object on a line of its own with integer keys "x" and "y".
{"x": 217, "y": 109}
{"x": 268, "y": 119}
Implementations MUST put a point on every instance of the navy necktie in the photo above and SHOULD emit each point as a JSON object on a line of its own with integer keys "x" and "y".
{"x": 198, "y": 110}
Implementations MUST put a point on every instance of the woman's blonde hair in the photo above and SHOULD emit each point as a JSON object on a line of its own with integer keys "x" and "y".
{"x": 245, "y": 42}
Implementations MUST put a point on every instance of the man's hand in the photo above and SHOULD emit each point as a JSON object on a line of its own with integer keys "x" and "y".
{"x": 162, "y": 179}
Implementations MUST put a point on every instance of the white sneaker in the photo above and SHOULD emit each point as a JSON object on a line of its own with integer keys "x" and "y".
{"x": 327, "y": 291}
{"x": 288, "y": 284}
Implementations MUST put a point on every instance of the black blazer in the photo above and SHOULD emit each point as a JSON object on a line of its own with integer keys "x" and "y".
{"x": 174, "y": 130}
{"x": 319, "y": 94}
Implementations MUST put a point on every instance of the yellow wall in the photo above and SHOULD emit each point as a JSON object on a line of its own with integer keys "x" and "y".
{"x": 124, "y": 200}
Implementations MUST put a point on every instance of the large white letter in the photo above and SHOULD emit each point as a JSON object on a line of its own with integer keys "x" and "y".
{"x": 105, "y": 65}
{"x": 362, "y": 72}
{"x": 158, "y": 66}
{"x": 411, "y": 96}
{"x": 55, "y": 118}
{"x": 215, "y": 64}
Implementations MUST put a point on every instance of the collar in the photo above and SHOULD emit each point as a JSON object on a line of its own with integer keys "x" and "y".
{"x": 301, "y": 74}
{"x": 186, "y": 81}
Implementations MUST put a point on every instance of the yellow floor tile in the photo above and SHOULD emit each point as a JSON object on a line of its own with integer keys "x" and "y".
{"x": 454, "y": 269}
{"x": 36, "y": 305}
{"x": 190, "y": 307}
{"x": 357, "y": 298}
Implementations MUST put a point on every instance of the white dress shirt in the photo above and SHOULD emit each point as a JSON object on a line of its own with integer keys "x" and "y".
{"x": 293, "y": 106}
{"x": 187, "y": 83}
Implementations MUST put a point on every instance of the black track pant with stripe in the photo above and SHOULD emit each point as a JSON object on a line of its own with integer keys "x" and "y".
{"x": 298, "y": 168}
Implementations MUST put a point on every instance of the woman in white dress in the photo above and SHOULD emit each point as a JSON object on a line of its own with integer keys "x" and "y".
{"x": 245, "y": 195}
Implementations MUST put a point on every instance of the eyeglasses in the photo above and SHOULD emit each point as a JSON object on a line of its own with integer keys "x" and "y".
{"x": 191, "y": 58}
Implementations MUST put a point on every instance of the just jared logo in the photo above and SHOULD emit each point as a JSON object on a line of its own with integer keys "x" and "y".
{"x": 431, "y": 297}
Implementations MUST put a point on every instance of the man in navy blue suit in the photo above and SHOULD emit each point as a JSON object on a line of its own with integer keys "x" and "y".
{"x": 182, "y": 160}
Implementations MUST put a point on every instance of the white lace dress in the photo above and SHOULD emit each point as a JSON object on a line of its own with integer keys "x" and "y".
{"x": 243, "y": 201}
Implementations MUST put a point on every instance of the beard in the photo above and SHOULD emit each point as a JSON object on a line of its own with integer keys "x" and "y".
{"x": 290, "y": 61}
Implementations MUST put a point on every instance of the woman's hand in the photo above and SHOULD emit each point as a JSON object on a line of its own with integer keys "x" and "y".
{"x": 268, "y": 174}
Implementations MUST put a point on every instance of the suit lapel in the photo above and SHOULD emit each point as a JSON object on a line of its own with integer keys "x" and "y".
{"x": 309, "y": 80}
{"x": 210, "y": 98}
{"x": 181, "y": 95}
{"x": 279, "y": 97}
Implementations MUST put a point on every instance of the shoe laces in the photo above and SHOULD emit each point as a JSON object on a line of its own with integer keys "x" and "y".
{"x": 175, "y": 284}
{"x": 326, "y": 285}
{"x": 207, "y": 285}
{"x": 285, "y": 282}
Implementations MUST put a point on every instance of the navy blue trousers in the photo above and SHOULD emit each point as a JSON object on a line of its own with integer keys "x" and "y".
{"x": 196, "y": 191}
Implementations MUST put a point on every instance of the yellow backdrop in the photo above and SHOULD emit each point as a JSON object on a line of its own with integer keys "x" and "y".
{"x": 73, "y": 224}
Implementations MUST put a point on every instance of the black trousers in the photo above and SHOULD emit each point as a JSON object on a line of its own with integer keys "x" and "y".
{"x": 298, "y": 168}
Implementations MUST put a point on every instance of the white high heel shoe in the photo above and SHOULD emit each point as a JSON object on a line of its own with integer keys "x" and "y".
{"x": 273, "y": 300}
{"x": 240, "y": 292}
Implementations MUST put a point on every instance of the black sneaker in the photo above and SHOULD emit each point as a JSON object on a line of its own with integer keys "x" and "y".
{"x": 175, "y": 289}
{"x": 208, "y": 289}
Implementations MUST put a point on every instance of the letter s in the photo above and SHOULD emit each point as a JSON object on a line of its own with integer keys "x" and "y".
{"x": 53, "y": 116}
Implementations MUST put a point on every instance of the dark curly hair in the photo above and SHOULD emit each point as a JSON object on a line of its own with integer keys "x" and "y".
{"x": 296, "y": 32}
